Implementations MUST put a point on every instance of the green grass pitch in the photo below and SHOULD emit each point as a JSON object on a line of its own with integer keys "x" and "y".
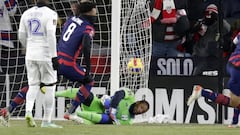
{"x": 19, "y": 128}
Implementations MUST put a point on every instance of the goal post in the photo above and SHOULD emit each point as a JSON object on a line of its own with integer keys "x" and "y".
{"x": 115, "y": 46}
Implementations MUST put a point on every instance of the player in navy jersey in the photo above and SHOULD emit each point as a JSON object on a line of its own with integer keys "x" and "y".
{"x": 76, "y": 38}
{"x": 233, "y": 68}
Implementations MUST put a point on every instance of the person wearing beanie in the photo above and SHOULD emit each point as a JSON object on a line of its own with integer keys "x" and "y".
{"x": 205, "y": 49}
{"x": 211, "y": 14}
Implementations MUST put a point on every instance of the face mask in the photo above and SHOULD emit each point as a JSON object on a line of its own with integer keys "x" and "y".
{"x": 91, "y": 19}
{"x": 210, "y": 19}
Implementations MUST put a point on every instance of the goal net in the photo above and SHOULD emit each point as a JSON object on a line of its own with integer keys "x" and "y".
{"x": 135, "y": 41}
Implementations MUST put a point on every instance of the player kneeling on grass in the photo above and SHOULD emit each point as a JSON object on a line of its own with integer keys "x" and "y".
{"x": 119, "y": 109}
{"x": 233, "y": 68}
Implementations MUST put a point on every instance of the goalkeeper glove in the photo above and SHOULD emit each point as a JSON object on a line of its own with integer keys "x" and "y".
{"x": 112, "y": 115}
{"x": 106, "y": 101}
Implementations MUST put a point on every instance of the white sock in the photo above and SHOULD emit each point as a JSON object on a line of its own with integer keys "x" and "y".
{"x": 30, "y": 97}
{"x": 49, "y": 102}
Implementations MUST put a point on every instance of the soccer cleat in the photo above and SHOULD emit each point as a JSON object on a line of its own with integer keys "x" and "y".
{"x": 70, "y": 109}
{"x": 4, "y": 117}
{"x": 29, "y": 119}
{"x": 73, "y": 117}
{"x": 50, "y": 125}
{"x": 76, "y": 119}
{"x": 4, "y": 122}
{"x": 66, "y": 116}
{"x": 233, "y": 126}
{"x": 196, "y": 93}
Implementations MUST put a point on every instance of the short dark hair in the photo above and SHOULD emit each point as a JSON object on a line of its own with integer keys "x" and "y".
{"x": 43, "y": 1}
{"x": 145, "y": 102}
{"x": 86, "y": 6}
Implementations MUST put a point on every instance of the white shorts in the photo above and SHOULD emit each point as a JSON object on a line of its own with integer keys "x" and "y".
{"x": 40, "y": 72}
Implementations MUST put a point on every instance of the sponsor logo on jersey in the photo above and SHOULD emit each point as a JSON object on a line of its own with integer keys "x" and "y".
{"x": 54, "y": 22}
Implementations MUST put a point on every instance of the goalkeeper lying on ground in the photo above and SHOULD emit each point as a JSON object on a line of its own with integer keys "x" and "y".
{"x": 119, "y": 109}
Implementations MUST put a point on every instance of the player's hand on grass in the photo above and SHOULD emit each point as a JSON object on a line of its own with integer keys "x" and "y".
{"x": 112, "y": 115}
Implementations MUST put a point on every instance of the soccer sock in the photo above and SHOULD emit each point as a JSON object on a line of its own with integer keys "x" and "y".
{"x": 82, "y": 94}
{"x": 87, "y": 122}
{"x": 69, "y": 93}
{"x": 235, "y": 116}
{"x": 31, "y": 96}
{"x": 76, "y": 102}
{"x": 49, "y": 103}
{"x": 216, "y": 97}
{"x": 91, "y": 116}
{"x": 18, "y": 99}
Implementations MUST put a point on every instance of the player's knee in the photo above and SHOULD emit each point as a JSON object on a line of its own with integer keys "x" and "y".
{"x": 234, "y": 100}
{"x": 88, "y": 100}
{"x": 24, "y": 89}
{"x": 233, "y": 103}
{"x": 88, "y": 80}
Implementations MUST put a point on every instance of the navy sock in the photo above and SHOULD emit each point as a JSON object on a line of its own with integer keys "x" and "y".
{"x": 235, "y": 116}
{"x": 18, "y": 99}
{"x": 209, "y": 95}
{"x": 216, "y": 97}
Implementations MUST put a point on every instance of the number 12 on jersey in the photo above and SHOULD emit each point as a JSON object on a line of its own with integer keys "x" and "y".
{"x": 34, "y": 27}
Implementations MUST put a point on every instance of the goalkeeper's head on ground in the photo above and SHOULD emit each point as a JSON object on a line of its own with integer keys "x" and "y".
{"x": 139, "y": 107}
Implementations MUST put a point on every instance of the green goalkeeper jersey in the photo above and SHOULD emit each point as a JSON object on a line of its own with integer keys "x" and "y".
{"x": 123, "y": 115}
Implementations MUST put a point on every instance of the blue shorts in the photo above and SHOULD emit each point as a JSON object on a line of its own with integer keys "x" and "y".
{"x": 234, "y": 80}
{"x": 71, "y": 70}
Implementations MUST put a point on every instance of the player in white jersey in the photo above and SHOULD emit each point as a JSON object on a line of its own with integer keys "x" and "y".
{"x": 37, "y": 31}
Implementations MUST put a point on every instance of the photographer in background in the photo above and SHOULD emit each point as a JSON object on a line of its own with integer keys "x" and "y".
{"x": 206, "y": 51}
